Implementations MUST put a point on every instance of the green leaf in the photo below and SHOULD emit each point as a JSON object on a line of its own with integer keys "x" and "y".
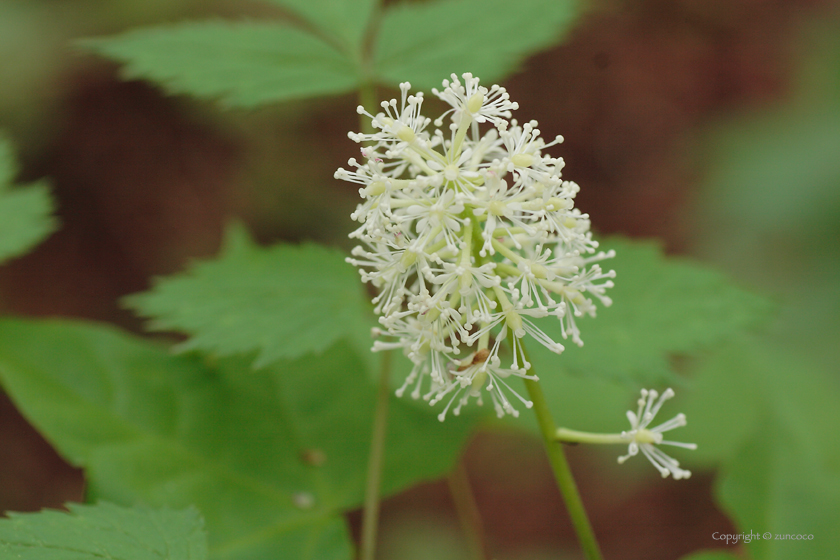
{"x": 281, "y": 302}
{"x": 661, "y": 307}
{"x": 25, "y": 213}
{"x": 785, "y": 477}
{"x": 104, "y": 531}
{"x": 345, "y": 20}
{"x": 425, "y": 43}
{"x": 722, "y": 405}
{"x": 243, "y": 64}
{"x": 272, "y": 458}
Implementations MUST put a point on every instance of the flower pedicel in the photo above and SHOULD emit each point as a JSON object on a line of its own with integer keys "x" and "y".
{"x": 640, "y": 437}
{"x": 469, "y": 234}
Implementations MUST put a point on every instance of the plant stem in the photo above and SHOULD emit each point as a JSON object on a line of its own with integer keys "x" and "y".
{"x": 574, "y": 436}
{"x": 562, "y": 473}
{"x": 465, "y": 507}
{"x": 370, "y": 513}
{"x": 367, "y": 99}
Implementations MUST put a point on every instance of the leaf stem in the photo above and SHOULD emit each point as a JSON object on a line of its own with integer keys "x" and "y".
{"x": 562, "y": 472}
{"x": 370, "y": 513}
{"x": 467, "y": 510}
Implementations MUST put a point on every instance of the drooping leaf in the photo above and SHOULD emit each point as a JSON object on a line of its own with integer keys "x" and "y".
{"x": 280, "y": 302}
{"x": 242, "y": 64}
{"x": 25, "y": 212}
{"x": 272, "y": 458}
{"x": 345, "y": 20}
{"x": 104, "y": 531}
{"x": 423, "y": 43}
{"x": 661, "y": 307}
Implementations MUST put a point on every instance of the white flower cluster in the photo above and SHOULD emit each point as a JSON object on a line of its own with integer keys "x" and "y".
{"x": 640, "y": 437}
{"x": 469, "y": 236}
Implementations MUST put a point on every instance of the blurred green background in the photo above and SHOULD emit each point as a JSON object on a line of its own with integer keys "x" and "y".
{"x": 713, "y": 125}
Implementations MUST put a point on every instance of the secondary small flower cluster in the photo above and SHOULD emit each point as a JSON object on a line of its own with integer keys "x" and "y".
{"x": 639, "y": 437}
{"x": 469, "y": 234}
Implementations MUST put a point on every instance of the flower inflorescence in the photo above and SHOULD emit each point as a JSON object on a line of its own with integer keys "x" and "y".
{"x": 469, "y": 235}
{"x": 640, "y": 437}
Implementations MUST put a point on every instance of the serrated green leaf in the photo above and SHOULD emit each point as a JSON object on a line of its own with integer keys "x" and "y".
{"x": 242, "y": 64}
{"x": 280, "y": 302}
{"x": 722, "y": 405}
{"x": 661, "y": 307}
{"x": 425, "y": 43}
{"x": 272, "y": 458}
{"x": 104, "y": 531}
{"x": 25, "y": 212}
{"x": 345, "y": 20}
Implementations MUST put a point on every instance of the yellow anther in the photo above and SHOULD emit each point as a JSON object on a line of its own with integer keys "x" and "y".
{"x": 475, "y": 102}
{"x": 497, "y": 208}
{"x": 646, "y": 436}
{"x": 406, "y": 134}
{"x": 479, "y": 379}
{"x": 451, "y": 172}
{"x": 513, "y": 320}
{"x": 574, "y": 296}
{"x": 522, "y": 160}
{"x": 408, "y": 259}
{"x": 539, "y": 270}
{"x": 555, "y": 203}
{"x": 375, "y": 189}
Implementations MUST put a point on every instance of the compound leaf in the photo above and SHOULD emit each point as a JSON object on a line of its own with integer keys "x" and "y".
{"x": 242, "y": 64}
{"x": 345, "y": 20}
{"x": 424, "y": 43}
{"x": 25, "y": 213}
{"x": 272, "y": 458}
{"x": 280, "y": 302}
{"x": 661, "y": 307}
{"x": 104, "y": 531}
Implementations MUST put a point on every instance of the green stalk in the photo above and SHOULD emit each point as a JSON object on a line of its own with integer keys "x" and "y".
{"x": 562, "y": 472}
{"x": 370, "y": 513}
{"x": 467, "y": 510}
{"x": 367, "y": 99}
{"x": 574, "y": 436}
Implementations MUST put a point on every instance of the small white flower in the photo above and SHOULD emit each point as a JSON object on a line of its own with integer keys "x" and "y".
{"x": 469, "y": 234}
{"x": 640, "y": 437}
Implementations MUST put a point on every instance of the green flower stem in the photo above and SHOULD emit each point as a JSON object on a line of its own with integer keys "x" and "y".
{"x": 370, "y": 513}
{"x": 367, "y": 99}
{"x": 467, "y": 510}
{"x": 574, "y": 436}
{"x": 562, "y": 473}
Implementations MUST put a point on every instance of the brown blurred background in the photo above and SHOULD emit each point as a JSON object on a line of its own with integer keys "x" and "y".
{"x": 146, "y": 182}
